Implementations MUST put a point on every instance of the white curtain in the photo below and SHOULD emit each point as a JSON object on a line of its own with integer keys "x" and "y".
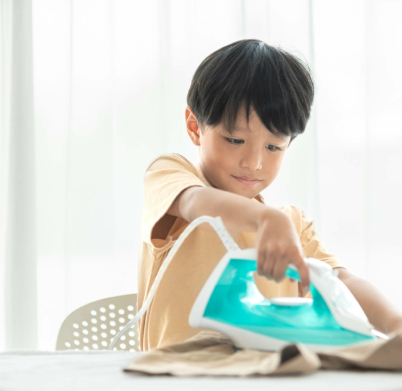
{"x": 19, "y": 227}
{"x": 92, "y": 91}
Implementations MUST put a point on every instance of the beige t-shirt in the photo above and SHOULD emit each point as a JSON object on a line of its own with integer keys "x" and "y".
{"x": 166, "y": 320}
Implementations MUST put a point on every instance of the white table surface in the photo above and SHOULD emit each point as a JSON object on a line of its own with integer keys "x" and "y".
{"x": 103, "y": 370}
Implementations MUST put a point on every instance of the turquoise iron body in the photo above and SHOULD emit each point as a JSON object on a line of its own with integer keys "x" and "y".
{"x": 231, "y": 303}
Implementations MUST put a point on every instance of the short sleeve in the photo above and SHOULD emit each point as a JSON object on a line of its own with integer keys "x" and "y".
{"x": 165, "y": 178}
{"x": 312, "y": 245}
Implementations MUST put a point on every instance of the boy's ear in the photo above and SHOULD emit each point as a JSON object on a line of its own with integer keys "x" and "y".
{"x": 192, "y": 127}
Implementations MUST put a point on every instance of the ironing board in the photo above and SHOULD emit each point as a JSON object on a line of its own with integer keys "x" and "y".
{"x": 102, "y": 371}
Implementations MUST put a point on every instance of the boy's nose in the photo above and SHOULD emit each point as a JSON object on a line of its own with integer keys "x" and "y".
{"x": 252, "y": 160}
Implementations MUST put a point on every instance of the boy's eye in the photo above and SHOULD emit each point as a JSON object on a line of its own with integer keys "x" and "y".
{"x": 233, "y": 140}
{"x": 273, "y": 148}
{"x": 237, "y": 141}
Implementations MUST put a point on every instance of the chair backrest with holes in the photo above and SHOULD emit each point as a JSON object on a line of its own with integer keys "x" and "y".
{"x": 94, "y": 325}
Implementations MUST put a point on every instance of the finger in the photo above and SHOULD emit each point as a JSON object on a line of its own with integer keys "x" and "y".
{"x": 269, "y": 266}
{"x": 299, "y": 262}
{"x": 279, "y": 269}
{"x": 260, "y": 261}
{"x": 271, "y": 254}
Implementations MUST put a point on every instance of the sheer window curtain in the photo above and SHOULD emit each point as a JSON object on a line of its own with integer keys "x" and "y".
{"x": 92, "y": 91}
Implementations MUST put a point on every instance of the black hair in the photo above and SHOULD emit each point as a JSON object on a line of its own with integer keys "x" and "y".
{"x": 274, "y": 82}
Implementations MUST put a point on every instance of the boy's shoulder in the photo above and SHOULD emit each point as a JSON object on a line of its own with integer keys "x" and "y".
{"x": 173, "y": 160}
{"x": 298, "y": 216}
{"x": 291, "y": 209}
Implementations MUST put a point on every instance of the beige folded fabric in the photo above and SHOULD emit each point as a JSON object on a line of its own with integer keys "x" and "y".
{"x": 210, "y": 353}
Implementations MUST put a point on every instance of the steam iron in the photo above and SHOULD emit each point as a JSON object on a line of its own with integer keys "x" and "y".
{"x": 231, "y": 303}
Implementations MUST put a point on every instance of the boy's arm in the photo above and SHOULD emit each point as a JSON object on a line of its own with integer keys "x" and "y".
{"x": 238, "y": 213}
{"x": 278, "y": 242}
{"x": 382, "y": 314}
{"x": 241, "y": 214}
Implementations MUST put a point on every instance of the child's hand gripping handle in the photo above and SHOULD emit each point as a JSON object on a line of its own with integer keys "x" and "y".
{"x": 278, "y": 245}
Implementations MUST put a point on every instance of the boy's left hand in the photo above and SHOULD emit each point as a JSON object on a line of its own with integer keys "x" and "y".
{"x": 385, "y": 316}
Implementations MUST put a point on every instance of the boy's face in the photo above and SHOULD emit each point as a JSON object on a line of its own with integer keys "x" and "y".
{"x": 252, "y": 152}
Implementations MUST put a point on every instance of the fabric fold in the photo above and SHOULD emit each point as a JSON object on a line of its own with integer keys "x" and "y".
{"x": 210, "y": 353}
{"x": 379, "y": 354}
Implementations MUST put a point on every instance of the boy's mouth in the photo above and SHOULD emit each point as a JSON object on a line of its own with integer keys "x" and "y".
{"x": 247, "y": 181}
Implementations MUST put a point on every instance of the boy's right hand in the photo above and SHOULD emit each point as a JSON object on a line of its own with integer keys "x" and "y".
{"x": 278, "y": 244}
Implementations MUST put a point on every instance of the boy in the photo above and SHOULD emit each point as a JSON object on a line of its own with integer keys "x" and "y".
{"x": 246, "y": 104}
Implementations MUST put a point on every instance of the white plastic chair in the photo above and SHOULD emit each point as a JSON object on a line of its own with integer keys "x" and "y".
{"x": 94, "y": 325}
